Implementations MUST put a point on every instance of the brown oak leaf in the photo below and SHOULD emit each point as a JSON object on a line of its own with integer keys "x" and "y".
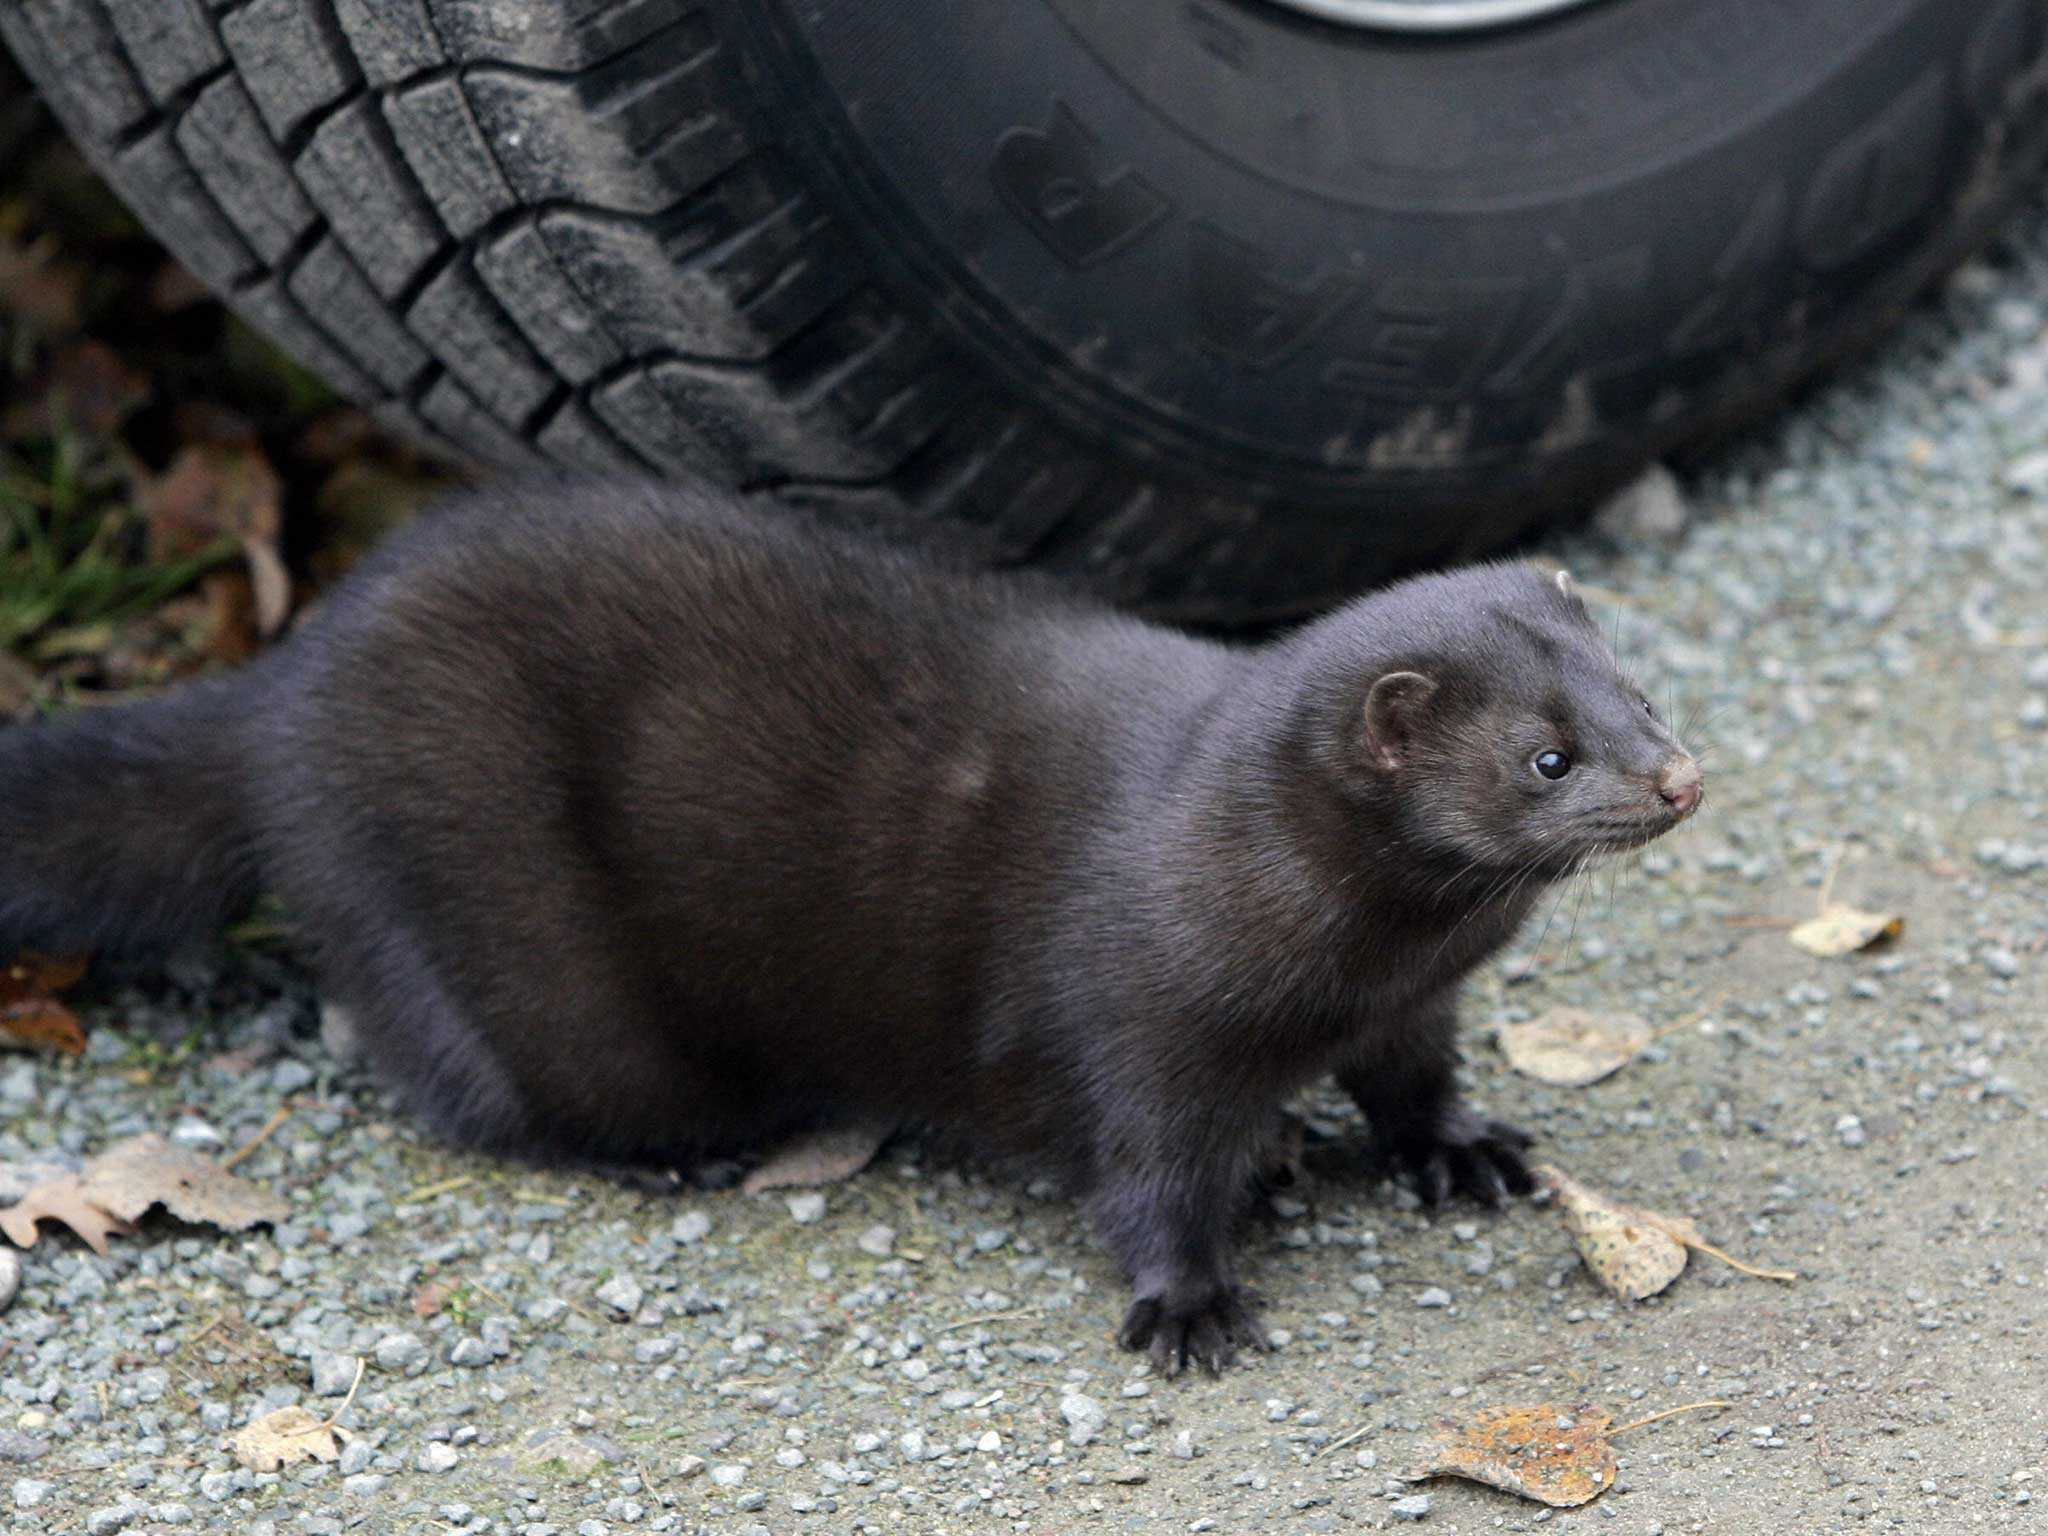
{"x": 131, "y": 1176}
{"x": 62, "y": 1199}
{"x": 107, "y": 1196}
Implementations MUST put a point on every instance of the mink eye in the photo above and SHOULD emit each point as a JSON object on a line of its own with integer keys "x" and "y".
{"x": 1649, "y": 709}
{"x": 1553, "y": 765}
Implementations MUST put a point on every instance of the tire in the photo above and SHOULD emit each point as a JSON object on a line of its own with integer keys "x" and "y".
{"x": 20, "y": 111}
{"x": 1215, "y": 308}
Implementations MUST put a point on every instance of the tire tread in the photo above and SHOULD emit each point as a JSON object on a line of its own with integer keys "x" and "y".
{"x": 527, "y": 231}
{"x": 565, "y": 230}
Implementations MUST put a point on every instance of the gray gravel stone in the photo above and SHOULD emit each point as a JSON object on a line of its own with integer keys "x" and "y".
{"x": 1084, "y": 1417}
{"x": 333, "y": 1374}
{"x": 10, "y": 1277}
{"x": 401, "y": 1352}
{"x": 437, "y": 1456}
{"x": 1651, "y": 508}
{"x": 622, "y": 1293}
{"x": 1414, "y": 1507}
{"x": 690, "y": 1227}
{"x": 191, "y": 1131}
{"x": 806, "y": 1208}
{"x": 32, "y": 1493}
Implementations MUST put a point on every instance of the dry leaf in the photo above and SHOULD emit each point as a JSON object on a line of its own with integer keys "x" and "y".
{"x": 1843, "y": 930}
{"x": 106, "y": 1196}
{"x": 130, "y": 1177}
{"x": 17, "y": 1179}
{"x": 1571, "y": 1047}
{"x": 62, "y": 1199}
{"x": 431, "y": 1297}
{"x": 86, "y": 387}
{"x": 211, "y": 489}
{"x": 1551, "y": 1453}
{"x": 1633, "y": 1252}
{"x": 272, "y": 584}
{"x": 216, "y": 490}
{"x": 823, "y": 1157}
{"x": 219, "y": 620}
{"x": 30, "y": 1017}
{"x": 41, "y": 1024}
{"x": 284, "y": 1437}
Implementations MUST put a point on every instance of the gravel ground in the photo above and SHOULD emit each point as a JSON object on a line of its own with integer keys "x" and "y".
{"x": 1858, "y": 601}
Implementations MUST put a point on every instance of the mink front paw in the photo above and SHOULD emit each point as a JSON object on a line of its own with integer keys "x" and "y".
{"x": 1464, "y": 1153}
{"x": 1206, "y": 1331}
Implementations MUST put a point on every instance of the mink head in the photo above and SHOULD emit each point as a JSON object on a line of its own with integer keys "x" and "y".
{"x": 1495, "y": 725}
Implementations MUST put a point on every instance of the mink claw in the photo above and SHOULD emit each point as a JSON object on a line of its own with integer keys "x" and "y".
{"x": 1484, "y": 1163}
{"x": 1207, "y": 1334}
{"x": 1433, "y": 1181}
{"x": 1479, "y": 1175}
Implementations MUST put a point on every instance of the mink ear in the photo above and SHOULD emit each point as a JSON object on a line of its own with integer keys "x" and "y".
{"x": 1569, "y": 589}
{"x": 1394, "y": 711}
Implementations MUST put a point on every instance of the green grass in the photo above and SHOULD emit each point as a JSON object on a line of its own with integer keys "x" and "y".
{"x": 72, "y": 550}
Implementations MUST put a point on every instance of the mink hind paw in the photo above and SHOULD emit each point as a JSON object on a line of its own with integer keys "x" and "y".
{"x": 1466, "y": 1154}
{"x": 1206, "y": 1331}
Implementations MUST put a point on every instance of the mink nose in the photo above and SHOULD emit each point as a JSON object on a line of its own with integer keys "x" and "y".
{"x": 1679, "y": 784}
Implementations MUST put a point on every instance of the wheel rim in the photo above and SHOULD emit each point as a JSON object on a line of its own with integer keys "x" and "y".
{"x": 1431, "y": 15}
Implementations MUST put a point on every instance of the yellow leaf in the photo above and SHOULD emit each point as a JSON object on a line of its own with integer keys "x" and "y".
{"x": 1843, "y": 930}
{"x": 1571, "y": 1047}
{"x": 1633, "y": 1252}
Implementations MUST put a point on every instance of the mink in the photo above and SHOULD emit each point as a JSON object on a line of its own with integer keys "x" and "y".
{"x": 632, "y": 824}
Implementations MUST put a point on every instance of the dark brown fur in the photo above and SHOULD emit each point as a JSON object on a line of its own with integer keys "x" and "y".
{"x": 633, "y": 828}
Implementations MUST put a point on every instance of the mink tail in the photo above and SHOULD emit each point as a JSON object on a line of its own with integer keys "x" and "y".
{"x": 125, "y": 830}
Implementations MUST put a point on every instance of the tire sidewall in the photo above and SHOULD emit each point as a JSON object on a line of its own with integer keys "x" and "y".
{"x": 1590, "y": 231}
